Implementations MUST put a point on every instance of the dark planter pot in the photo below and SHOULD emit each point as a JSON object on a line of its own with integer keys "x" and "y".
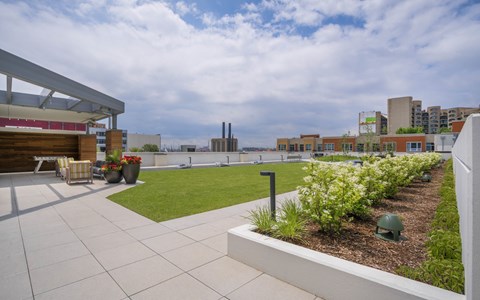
{"x": 130, "y": 173}
{"x": 113, "y": 176}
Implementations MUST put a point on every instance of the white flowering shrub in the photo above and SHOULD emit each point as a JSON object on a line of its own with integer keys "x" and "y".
{"x": 372, "y": 178}
{"x": 332, "y": 192}
{"x": 394, "y": 174}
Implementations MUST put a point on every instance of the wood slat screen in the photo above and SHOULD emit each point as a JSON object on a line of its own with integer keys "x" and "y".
{"x": 87, "y": 147}
{"x": 17, "y": 149}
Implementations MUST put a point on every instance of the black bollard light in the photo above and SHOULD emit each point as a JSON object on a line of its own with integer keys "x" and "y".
{"x": 272, "y": 190}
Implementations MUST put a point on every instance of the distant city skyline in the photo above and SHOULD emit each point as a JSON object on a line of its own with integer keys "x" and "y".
{"x": 272, "y": 68}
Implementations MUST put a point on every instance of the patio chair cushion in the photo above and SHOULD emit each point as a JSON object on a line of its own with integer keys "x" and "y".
{"x": 79, "y": 170}
{"x": 63, "y": 164}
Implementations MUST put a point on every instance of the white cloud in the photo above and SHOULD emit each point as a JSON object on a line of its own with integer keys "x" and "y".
{"x": 183, "y": 81}
{"x": 154, "y": 17}
{"x": 183, "y": 8}
{"x": 311, "y": 12}
{"x": 88, "y": 6}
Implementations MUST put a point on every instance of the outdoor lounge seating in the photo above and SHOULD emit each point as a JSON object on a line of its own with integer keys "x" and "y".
{"x": 61, "y": 165}
{"x": 78, "y": 171}
{"x": 97, "y": 168}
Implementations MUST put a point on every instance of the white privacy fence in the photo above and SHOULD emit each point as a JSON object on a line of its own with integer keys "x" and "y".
{"x": 466, "y": 159}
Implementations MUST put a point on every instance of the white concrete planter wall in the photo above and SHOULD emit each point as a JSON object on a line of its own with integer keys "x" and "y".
{"x": 176, "y": 158}
{"x": 466, "y": 163}
{"x": 161, "y": 159}
{"x": 324, "y": 275}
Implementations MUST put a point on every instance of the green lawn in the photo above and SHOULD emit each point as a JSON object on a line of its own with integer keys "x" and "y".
{"x": 170, "y": 194}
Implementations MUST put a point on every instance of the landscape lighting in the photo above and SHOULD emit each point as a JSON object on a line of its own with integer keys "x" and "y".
{"x": 272, "y": 190}
{"x": 392, "y": 227}
{"x": 426, "y": 177}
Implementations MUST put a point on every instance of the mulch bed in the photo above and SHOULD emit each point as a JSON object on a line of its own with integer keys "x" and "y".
{"x": 415, "y": 204}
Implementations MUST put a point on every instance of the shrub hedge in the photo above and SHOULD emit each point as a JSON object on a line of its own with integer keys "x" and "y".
{"x": 443, "y": 267}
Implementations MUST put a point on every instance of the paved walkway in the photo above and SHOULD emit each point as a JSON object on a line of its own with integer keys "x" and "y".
{"x": 70, "y": 242}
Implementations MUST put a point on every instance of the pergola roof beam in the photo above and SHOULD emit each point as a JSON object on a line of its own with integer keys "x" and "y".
{"x": 9, "y": 89}
{"x": 29, "y": 100}
{"x": 46, "y": 94}
{"x": 72, "y": 103}
{"x": 17, "y": 67}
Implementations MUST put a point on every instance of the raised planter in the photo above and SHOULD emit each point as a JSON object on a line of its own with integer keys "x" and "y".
{"x": 324, "y": 275}
{"x": 131, "y": 172}
{"x": 113, "y": 176}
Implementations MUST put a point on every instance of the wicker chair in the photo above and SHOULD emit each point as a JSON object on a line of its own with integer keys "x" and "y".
{"x": 79, "y": 171}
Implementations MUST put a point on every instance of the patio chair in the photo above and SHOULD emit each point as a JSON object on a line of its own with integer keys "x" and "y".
{"x": 78, "y": 171}
{"x": 97, "y": 168}
{"x": 61, "y": 165}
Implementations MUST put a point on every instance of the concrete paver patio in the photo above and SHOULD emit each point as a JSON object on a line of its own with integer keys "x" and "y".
{"x": 70, "y": 242}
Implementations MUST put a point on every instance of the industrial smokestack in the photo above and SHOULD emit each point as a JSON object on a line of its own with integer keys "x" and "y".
{"x": 223, "y": 130}
{"x": 229, "y": 137}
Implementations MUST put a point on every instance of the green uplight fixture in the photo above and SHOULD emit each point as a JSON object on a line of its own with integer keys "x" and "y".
{"x": 426, "y": 177}
{"x": 389, "y": 228}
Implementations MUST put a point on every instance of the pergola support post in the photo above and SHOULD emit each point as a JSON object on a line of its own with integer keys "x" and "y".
{"x": 114, "y": 121}
{"x": 87, "y": 147}
{"x": 113, "y": 140}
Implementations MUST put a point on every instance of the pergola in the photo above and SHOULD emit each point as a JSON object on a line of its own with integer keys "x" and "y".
{"x": 83, "y": 105}
{"x": 61, "y": 100}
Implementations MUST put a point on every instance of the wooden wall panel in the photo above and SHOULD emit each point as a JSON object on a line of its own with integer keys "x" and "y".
{"x": 113, "y": 140}
{"x": 87, "y": 147}
{"x": 17, "y": 149}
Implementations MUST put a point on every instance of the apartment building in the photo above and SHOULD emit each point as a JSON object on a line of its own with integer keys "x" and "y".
{"x": 399, "y": 113}
{"x": 397, "y": 143}
{"x": 434, "y": 113}
{"x": 406, "y": 112}
{"x": 314, "y": 143}
{"x": 304, "y": 143}
{"x": 417, "y": 120}
{"x": 403, "y": 112}
{"x": 459, "y": 113}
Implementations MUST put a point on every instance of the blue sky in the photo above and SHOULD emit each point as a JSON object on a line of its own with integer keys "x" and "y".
{"x": 273, "y": 68}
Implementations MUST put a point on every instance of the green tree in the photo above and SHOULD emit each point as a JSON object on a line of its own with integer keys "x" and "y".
{"x": 409, "y": 130}
{"x": 445, "y": 130}
{"x": 150, "y": 148}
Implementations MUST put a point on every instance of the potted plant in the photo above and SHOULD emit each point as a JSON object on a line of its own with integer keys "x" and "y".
{"x": 112, "y": 169}
{"x": 131, "y": 168}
